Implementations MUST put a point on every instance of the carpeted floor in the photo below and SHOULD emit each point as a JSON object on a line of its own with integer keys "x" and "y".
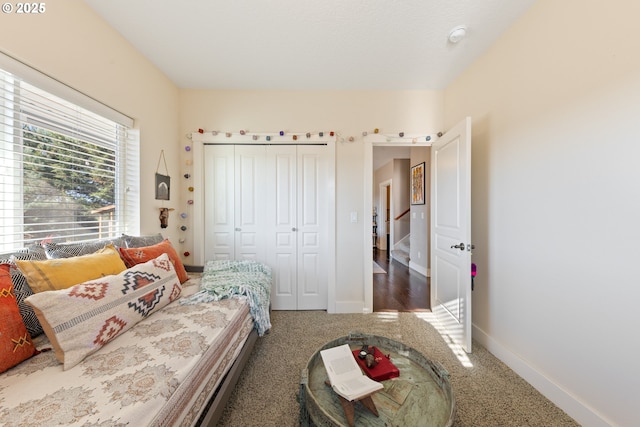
{"x": 487, "y": 392}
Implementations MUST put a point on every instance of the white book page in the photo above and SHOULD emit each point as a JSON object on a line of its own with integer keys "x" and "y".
{"x": 357, "y": 387}
{"x": 345, "y": 375}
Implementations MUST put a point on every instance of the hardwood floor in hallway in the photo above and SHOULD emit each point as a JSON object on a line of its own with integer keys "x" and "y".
{"x": 400, "y": 289}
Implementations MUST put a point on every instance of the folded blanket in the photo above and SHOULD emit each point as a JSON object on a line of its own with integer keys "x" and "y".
{"x": 226, "y": 279}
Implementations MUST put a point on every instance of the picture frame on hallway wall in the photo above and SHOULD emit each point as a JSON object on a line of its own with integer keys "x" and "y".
{"x": 417, "y": 184}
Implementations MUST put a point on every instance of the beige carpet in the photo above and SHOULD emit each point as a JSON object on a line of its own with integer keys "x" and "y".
{"x": 487, "y": 392}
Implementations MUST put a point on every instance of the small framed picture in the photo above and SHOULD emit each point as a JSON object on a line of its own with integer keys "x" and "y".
{"x": 163, "y": 187}
{"x": 417, "y": 184}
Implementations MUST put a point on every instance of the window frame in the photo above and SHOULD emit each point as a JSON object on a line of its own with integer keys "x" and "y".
{"x": 126, "y": 153}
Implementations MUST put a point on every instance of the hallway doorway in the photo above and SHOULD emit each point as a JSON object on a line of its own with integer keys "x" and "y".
{"x": 401, "y": 241}
{"x": 376, "y": 173}
{"x": 400, "y": 289}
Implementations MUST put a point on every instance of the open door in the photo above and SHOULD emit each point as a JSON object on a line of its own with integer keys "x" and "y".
{"x": 451, "y": 232}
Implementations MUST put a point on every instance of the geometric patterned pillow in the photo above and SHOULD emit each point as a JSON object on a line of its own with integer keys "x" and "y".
{"x": 22, "y": 291}
{"x": 140, "y": 241}
{"x": 15, "y": 342}
{"x": 133, "y": 256}
{"x": 6, "y": 257}
{"x": 68, "y": 250}
{"x": 81, "y": 319}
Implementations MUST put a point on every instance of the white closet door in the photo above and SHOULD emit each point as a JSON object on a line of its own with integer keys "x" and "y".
{"x": 234, "y": 202}
{"x": 219, "y": 202}
{"x": 270, "y": 204}
{"x": 281, "y": 225}
{"x": 250, "y": 201}
{"x": 312, "y": 227}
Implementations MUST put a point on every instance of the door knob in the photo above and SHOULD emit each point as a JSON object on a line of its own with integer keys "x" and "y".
{"x": 459, "y": 246}
{"x": 238, "y": 229}
{"x": 294, "y": 229}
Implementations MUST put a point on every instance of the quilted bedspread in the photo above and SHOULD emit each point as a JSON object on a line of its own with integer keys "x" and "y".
{"x": 157, "y": 373}
{"x": 244, "y": 278}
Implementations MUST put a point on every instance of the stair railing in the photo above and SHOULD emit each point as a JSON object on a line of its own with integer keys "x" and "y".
{"x": 402, "y": 214}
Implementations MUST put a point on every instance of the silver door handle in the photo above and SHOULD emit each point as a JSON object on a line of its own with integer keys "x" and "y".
{"x": 238, "y": 229}
{"x": 460, "y": 246}
{"x": 294, "y": 229}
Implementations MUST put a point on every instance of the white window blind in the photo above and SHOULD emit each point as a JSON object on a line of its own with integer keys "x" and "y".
{"x": 63, "y": 168}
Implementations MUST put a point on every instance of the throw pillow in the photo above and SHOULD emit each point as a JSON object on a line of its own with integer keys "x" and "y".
{"x": 68, "y": 250}
{"x": 15, "y": 342}
{"x": 141, "y": 241}
{"x": 22, "y": 291}
{"x": 133, "y": 256}
{"x": 61, "y": 273}
{"x": 83, "y": 318}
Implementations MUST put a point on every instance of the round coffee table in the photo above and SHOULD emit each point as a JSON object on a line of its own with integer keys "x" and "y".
{"x": 420, "y": 396}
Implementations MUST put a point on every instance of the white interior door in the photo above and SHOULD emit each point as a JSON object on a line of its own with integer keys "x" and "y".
{"x": 250, "y": 199}
{"x": 281, "y": 225}
{"x": 219, "y": 201}
{"x": 312, "y": 227}
{"x": 451, "y": 232}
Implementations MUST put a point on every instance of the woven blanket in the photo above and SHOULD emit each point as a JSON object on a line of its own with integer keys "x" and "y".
{"x": 244, "y": 279}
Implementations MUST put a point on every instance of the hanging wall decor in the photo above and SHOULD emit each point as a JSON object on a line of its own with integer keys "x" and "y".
{"x": 417, "y": 184}
{"x": 164, "y": 217}
{"x": 163, "y": 182}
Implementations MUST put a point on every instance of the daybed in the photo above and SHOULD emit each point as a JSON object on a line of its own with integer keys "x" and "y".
{"x": 176, "y": 365}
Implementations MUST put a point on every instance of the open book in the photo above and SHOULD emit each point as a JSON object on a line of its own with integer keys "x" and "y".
{"x": 345, "y": 375}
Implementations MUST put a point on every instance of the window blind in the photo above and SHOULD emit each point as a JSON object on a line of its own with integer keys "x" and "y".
{"x": 64, "y": 171}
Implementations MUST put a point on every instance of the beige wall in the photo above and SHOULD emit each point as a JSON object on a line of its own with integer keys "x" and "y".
{"x": 349, "y": 114}
{"x": 401, "y": 199}
{"x": 380, "y": 175}
{"x": 420, "y": 214}
{"x": 556, "y": 202}
{"x": 73, "y": 45}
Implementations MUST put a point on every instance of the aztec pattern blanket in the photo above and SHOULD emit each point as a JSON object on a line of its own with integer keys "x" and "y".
{"x": 245, "y": 278}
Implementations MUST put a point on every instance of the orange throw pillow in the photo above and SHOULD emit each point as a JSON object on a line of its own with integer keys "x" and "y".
{"x": 133, "y": 256}
{"x": 15, "y": 342}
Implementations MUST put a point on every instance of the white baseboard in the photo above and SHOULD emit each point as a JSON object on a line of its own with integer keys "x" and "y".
{"x": 564, "y": 400}
{"x": 349, "y": 307}
{"x": 420, "y": 269}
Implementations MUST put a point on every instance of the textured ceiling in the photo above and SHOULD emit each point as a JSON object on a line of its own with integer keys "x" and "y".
{"x": 310, "y": 45}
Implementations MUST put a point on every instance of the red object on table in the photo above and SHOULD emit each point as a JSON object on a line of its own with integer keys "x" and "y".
{"x": 384, "y": 370}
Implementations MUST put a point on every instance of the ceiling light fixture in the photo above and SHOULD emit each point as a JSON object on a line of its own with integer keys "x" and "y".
{"x": 457, "y": 33}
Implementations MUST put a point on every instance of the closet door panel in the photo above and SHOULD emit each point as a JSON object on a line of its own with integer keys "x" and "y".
{"x": 250, "y": 200}
{"x": 219, "y": 202}
{"x": 281, "y": 225}
{"x": 312, "y": 228}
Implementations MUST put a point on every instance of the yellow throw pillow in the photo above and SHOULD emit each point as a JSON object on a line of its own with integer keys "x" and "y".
{"x": 55, "y": 274}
